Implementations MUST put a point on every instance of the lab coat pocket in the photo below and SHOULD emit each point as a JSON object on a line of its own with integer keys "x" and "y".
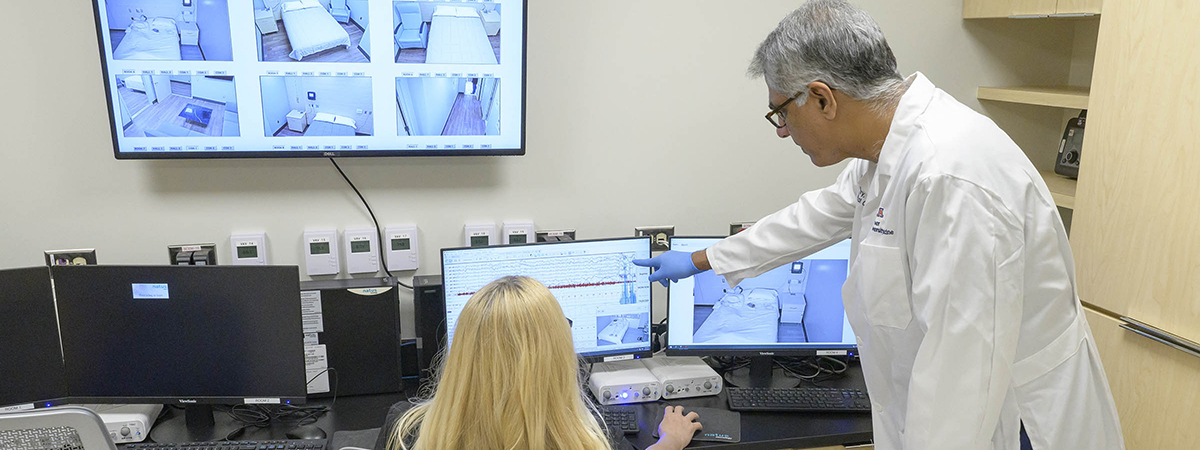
{"x": 881, "y": 286}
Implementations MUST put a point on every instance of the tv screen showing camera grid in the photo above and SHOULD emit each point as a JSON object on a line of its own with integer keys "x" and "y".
{"x": 797, "y": 305}
{"x": 605, "y": 297}
{"x": 264, "y": 78}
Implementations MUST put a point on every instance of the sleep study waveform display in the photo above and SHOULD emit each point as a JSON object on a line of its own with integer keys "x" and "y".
{"x": 605, "y": 297}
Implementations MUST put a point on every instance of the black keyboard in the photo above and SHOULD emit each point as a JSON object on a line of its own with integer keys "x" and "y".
{"x": 798, "y": 399}
{"x": 621, "y": 421}
{"x": 291, "y": 444}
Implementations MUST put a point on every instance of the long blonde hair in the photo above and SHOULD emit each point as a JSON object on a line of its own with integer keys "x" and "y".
{"x": 510, "y": 381}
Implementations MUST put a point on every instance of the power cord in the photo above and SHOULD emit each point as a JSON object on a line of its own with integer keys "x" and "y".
{"x": 378, "y": 231}
{"x": 262, "y": 416}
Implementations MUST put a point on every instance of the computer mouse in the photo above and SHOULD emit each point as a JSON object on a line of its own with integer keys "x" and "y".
{"x": 306, "y": 432}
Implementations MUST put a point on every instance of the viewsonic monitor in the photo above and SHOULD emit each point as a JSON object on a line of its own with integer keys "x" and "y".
{"x": 184, "y": 335}
{"x": 313, "y": 78}
{"x": 604, "y": 295}
{"x": 793, "y": 310}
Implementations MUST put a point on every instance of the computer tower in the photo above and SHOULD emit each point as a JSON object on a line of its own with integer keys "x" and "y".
{"x": 429, "y": 306}
{"x": 360, "y": 333}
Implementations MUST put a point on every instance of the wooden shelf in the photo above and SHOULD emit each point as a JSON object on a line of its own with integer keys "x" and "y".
{"x": 1061, "y": 188}
{"x": 1071, "y": 97}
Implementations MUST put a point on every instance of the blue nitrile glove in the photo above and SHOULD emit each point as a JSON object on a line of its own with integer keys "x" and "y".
{"x": 671, "y": 265}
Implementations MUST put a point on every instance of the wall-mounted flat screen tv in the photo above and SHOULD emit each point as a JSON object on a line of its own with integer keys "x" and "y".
{"x": 313, "y": 78}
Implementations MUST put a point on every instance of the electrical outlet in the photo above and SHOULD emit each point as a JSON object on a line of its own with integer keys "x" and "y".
{"x": 193, "y": 254}
{"x": 565, "y": 235}
{"x": 74, "y": 257}
{"x": 738, "y": 227}
{"x": 660, "y": 237}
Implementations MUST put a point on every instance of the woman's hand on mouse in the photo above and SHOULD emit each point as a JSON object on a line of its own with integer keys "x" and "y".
{"x": 676, "y": 429}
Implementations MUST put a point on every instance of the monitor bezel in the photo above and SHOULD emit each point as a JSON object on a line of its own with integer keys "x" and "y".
{"x": 182, "y": 400}
{"x": 264, "y": 154}
{"x": 591, "y": 358}
{"x": 823, "y": 350}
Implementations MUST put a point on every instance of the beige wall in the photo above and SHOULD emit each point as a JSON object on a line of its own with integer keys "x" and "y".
{"x": 639, "y": 113}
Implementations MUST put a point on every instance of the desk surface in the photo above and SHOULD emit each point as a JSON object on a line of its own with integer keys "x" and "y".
{"x": 760, "y": 430}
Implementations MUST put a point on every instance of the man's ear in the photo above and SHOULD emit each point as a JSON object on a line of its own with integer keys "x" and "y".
{"x": 822, "y": 94}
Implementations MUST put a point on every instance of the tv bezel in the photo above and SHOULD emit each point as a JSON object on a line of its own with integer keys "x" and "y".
{"x": 267, "y": 154}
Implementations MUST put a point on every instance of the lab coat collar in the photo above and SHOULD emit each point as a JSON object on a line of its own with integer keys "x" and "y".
{"x": 912, "y": 104}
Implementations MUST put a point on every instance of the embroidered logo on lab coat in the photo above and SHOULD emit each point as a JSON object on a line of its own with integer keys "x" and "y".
{"x": 878, "y": 221}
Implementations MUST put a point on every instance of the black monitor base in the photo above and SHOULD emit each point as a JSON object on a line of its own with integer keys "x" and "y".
{"x": 197, "y": 424}
{"x": 761, "y": 373}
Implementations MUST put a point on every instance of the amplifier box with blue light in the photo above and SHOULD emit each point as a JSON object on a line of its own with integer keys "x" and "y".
{"x": 684, "y": 376}
{"x": 623, "y": 382}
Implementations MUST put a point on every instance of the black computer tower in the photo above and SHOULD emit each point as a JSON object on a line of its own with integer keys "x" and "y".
{"x": 429, "y": 306}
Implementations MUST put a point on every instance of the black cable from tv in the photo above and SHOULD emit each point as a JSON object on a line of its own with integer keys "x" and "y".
{"x": 378, "y": 231}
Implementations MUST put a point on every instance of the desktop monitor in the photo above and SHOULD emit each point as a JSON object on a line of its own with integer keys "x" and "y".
{"x": 313, "y": 78}
{"x": 793, "y": 310}
{"x": 183, "y": 335}
{"x": 604, "y": 295}
{"x": 31, "y": 364}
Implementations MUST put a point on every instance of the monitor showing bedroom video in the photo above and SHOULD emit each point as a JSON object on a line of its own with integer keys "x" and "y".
{"x": 313, "y": 78}
{"x": 793, "y": 309}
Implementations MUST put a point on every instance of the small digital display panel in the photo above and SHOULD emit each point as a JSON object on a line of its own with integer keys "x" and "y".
{"x": 517, "y": 239}
{"x": 360, "y": 246}
{"x": 479, "y": 241}
{"x": 151, "y": 291}
{"x": 318, "y": 248}
{"x": 401, "y": 244}
{"x": 247, "y": 251}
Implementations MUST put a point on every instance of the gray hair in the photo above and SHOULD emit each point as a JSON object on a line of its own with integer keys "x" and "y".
{"x": 833, "y": 42}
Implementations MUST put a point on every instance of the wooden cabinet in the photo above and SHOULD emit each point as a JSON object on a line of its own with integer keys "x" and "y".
{"x": 979, "y": 9}
{"x": 1137, "y": 207}
{"x": 1137, "y": 254}
{"x": 1156, "y": 387}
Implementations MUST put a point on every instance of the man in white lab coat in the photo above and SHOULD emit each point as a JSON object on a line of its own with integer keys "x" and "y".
{"x": 962, "y": 286}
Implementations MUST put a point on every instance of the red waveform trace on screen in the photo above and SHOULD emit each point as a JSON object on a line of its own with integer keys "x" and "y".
{"x": 570, "y": 286}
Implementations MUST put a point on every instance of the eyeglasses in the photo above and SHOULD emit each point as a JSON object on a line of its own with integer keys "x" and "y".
{"x": 778, "y": 116}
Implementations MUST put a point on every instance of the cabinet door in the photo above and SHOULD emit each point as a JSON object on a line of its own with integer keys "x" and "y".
{"x": 1137, "y": 208}
{"x": 976, "y": 9}
{"x": 1156, "y": 387}
{"x": 1079, "y": 6}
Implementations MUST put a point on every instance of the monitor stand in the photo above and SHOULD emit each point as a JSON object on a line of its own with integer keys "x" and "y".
{"x": 761, "y": 373}
{"x": 198, "y": 424}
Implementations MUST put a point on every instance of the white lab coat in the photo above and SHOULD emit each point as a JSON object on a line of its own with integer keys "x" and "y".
{"x": 961, "y": 287}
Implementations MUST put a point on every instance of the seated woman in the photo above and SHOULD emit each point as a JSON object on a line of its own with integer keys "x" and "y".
{"x": 512, "y": 381}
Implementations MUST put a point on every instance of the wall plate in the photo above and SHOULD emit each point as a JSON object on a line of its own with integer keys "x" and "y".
{"x": 401, "y": 248}
{"x": 192, "y": 254}
{"x": 73, "y": 257}
{"x": 738, "y": 227}
{"x": 362, "y": 250}
{"x": 660, "y": 236}
{"x": 564, "y": 235}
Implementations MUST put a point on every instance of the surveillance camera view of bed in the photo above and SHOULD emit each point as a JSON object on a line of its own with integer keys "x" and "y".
{"x": 622, "y": 329}
{"x": 317, "y": 106}
{"x": 169, "y": 30}
{"x": 177, "y": 105}
{"x": 800, "y": 302}
{"x": 448, "y": 106}
{"x": 446, "y": 32}
{"x": 312, "y": 30}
